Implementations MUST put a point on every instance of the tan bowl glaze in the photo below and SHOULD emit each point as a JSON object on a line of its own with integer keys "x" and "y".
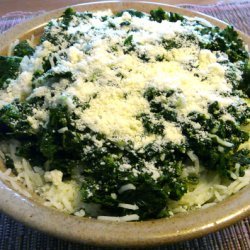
{"x": 127, "y": 234}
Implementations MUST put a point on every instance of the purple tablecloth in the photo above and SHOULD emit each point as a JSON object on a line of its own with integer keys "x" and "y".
{"x": 14, "y": 235}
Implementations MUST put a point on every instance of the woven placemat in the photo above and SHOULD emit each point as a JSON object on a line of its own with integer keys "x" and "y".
{"x": 14, "y": 235}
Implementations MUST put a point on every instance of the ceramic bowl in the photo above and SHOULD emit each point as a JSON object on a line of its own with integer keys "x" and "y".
{"x": 31, "y": 212}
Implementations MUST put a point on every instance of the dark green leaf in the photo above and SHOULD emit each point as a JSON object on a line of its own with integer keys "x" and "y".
{"x": 23, "y": 49}
{"x": 9, "y": 69}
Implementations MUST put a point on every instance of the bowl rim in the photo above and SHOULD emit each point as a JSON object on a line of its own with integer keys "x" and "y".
{"x": 118, "y": 234}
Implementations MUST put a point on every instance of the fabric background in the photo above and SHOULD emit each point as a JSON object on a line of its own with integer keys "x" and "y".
{"x": 14, "y": 235}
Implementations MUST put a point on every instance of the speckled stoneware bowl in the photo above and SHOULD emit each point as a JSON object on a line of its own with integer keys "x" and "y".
{"x": 128, "y": 234}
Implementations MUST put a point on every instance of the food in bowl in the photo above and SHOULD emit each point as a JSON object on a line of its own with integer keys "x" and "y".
{"x": 127, "y": 116}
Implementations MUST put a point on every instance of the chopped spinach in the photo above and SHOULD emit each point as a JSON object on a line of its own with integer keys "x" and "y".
{"x": 226, "y": 40}
{"x": 159, "y": 15}
{"x": 245, "y": 82}
{"x": 9, "y": 69}
{"x": 132, "y": 12}
{"x": 23, "y": 49}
